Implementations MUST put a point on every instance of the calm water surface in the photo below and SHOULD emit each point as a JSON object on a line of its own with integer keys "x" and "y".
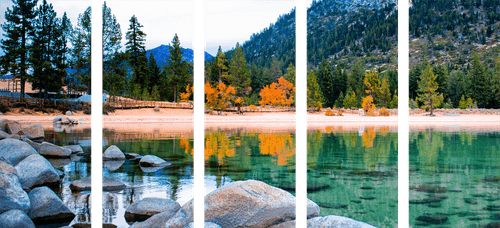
{"x": 454, "y": 177}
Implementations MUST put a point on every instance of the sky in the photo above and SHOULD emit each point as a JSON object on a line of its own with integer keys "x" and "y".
{"x": 226, "y": 21}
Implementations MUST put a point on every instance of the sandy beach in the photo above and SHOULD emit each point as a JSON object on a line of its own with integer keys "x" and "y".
{"x": 146, "y": 120}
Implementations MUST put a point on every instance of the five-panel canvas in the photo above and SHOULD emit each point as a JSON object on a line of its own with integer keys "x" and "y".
{"x": 250, "y": 81}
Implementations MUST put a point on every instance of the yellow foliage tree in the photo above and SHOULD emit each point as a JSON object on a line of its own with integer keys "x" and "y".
{"x": 185, "y": 96}
{"x": 277, "y": 94}
{"x": 368, "y": 106}
{"x": 218, "y": 98}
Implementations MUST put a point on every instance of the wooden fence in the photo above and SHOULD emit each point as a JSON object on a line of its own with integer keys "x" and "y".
{"x": 458, "y": 111}
{"x": 132, "y": 104}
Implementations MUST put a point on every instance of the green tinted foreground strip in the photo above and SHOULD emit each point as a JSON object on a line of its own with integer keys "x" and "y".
{"x": 301, "y": 134}
{"x": 199, "y": 103}
{"x": 403, "y": 113}
{"x": 96, "y": 114}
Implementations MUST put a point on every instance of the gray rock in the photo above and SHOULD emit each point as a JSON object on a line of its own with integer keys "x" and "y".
{"x": 285, "y": 224}
{"x": 252, "y": 204}
{"x": 113, "y": 153}
{"x": 46, "y": 207}
{"x": 57, "y": 119}
{"x": 75, "y": 149}
{"x": 155, "y": 221}
{"x": 114, "y": 164}
{"x": 4, "y": 135}
{"x": 206, "y": 225}
{"x": 14, "y": 151}
{"x": 15, "y": 219}
{"x": 36, "y": 171}
{"x": 147, "y": 207}
{"x": 51, "y": 150}
{"x": 3, "y": 122}
{"x": 35, "y": 145}
{"x": 151, "y": 169}
{"x": 69, "y": 113}
{"x": 12, "y": 127}
{"x": 153, "y": 161}
{"x": 33, "y": 132}
{"x": 12, "y": 195}
{"x": 132, "y": 156}
{"x": 335, "y": 221}
{"x": 108, "y": 184}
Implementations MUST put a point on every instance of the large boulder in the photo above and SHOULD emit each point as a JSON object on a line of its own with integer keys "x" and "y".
{"x": 113, "y": 153}
{"x": 46, "y": 207}
{"x": 14, "y": 151}
{"x": 15, "y": 219}
{"x": 4, "y": 135}
{"x": 155, "y": 221}
{"x": 33, "y": 132}
{"x": 108, "y": 184}
{"x": 147, "y": 207}
{"x": 51, "y": 150}
{"x": 335, "y": 221}
{"x": 3, "y": 122}
{"x": 133, "y": 156}
{"x": 245, "y": 204}
{"x": 153, "y": 161}
{"x": 75, "y": 149}
{"x": 13, "y": 127}
{"x": 35, "y": 145}
{"x": 36, "y": 171}
{"x": 12, "y": 195}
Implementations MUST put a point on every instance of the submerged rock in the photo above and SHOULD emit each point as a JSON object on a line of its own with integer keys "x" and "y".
{"x": 108, "y": 184}
{"x": 251, "y": 204}
{"x": 335, "y": 221}
{"x": 12, "y": 195}
{"x": 133, "y": 156}
{"x": 153, "y": 161}
{"x": 429, "y": 189}
{"x": 13, "y": 151}
{"x": 113, "y": 153}
{"x": 35, "y": 171}
{"x": 147, "y": 207}
{"x": 15, "y": 219}
{"x": 436, "y": 219}
{"x": 46, "y": 207}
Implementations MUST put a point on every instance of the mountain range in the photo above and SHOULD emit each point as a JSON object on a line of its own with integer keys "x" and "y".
{"x": 162, "y": 53}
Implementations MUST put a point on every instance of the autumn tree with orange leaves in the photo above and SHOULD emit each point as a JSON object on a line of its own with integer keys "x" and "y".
{"x": 218, "y": 98}
{"x": 277, "y": 94}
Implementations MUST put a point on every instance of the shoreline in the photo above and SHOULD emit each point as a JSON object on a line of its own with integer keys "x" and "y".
{"x": 146, "y": 120}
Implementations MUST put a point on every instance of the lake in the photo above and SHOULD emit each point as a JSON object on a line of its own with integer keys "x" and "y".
{"x": 454, "y": 175}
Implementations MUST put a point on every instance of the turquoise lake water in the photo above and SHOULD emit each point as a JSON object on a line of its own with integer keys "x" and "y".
{"x": 454, "y": 177}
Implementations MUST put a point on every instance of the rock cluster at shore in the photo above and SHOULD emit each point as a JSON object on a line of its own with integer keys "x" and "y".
{"x": 27, "y": 177}
{"x": 251, "y": 204}
{"x": 114, "y": 158}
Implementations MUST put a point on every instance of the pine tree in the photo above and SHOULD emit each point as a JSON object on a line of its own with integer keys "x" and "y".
{"x": 328, "y": 87}
{"x": 384, "y": 94}
{"x": 137, "y": 53}
{"x": 239, "y": 73}
{"x": 155, "y": 71}
{"x": 290, "y": 74}
{"x": 177, "y": 67}
{"x": 478, "y": 83}
{"x": 427, "y": 87}
{"x": 48, "y": 52}
{"x": 81, "y": 42}
{"x": 111, "y": 34}
{"x": 314, "y": 97}
{"x": 17, "y": 27}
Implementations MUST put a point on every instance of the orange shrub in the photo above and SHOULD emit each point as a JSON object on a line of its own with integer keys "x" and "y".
{"x": 383, "y": 112}
{"x": 329, "y": 113}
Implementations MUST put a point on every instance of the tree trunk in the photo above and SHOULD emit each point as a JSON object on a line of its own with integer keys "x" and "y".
{"x": 175, "y": 93}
